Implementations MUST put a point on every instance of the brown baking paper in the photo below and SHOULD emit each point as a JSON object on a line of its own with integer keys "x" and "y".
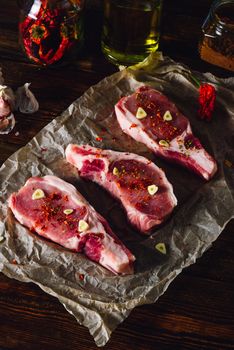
{"x": 98, "y": 299}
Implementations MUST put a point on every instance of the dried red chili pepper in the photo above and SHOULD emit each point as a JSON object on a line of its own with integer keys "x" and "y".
{"x": 206, "y": 99}
{"x": 207, "y": 96}
{"x": 81, "y": 277}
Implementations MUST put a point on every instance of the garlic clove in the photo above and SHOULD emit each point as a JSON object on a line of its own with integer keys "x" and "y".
{"x": 38, "y": 194}
{"x": 68, "y": 211}
{"x": 167, "y": 116}
{"x": 161, "y": 247}
{"x": 152, "y": 189}
{"x": 164, "y": 143}
{"x": 26, "y": 102}
{"x": 83, "y": 226}
{"x": 116, "y": 171}
{"x": 141, "y": 113}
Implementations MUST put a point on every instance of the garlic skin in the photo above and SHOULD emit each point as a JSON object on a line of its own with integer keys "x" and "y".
{"x": 7, "y": 104}
{"x": 7, "y": 124}
{"x": 26, "y": 102}
{"x": 8, "y": 96}
{"x": 5, "y": 108}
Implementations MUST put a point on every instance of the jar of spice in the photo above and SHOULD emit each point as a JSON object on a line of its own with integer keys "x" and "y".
{"x": 51, "y": 31}
{"x": 217, "y": 42}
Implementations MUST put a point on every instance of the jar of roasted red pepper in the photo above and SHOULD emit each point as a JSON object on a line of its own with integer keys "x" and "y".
{"x": 51, "y": 31}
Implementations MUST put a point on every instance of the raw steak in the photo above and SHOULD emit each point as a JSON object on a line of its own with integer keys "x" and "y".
{"x": 138, "y": 183}
{"x": 149, "y": 117}
{"x": 57, "y": 211}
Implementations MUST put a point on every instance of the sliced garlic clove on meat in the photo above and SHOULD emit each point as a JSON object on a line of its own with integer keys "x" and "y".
{"x": 68, "y": 211}
{"x": 38, "y": 194}
{"x": 141, "y": 113}
{"x": 116, "y": 171}
{"x": 164, "y": 143}
{"x": 83, "y": 226}
{"x": 167, "y": 116}
{"x": 152, "y": 189}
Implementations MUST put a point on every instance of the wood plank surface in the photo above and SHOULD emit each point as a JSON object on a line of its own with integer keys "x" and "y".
{"x": 197, "y": 310}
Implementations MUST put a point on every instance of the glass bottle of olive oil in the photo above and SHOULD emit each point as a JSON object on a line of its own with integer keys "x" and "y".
{"x": 130, "y": 29}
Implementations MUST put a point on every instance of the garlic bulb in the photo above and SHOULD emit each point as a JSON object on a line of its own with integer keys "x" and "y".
{"x": 26, "y": 102}
{"x": 7, "y": 103}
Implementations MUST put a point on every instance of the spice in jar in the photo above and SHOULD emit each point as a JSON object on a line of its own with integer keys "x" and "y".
{"x": 217, "y": 43}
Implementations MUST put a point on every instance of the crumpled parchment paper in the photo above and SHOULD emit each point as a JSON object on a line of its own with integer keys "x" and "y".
{"x": 98, "y": 299}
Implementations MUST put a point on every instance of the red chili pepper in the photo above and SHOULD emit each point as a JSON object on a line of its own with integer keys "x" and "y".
{"x": 38, "y": 32}
{"x": 64, "y": 45}
{"x": 207, "y": 96}
{"x": 81, "y": 277}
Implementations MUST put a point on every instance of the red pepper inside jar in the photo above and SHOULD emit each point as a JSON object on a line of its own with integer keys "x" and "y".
{"x": 51, "y": 31}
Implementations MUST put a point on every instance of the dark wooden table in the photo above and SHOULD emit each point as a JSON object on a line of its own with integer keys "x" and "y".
{"x": 197, "y": 311}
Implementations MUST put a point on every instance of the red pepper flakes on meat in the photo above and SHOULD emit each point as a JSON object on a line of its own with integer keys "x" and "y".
{"x": 133, "y": 126}
{"x": 99, "y": 139}
{"x": 49, "y": 210}
{"x": 152, "y": 105}
{"x": 55, "y": 196}
{"x": 191, "y": 142}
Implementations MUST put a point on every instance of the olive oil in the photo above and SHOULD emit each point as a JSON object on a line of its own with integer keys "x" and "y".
{"x": 130, "y": 30}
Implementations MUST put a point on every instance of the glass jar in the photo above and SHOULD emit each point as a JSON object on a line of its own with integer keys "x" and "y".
{"x": 130, "y": 29}
{"x": 51, "y": 31}
{"x": 217, "y": 43}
